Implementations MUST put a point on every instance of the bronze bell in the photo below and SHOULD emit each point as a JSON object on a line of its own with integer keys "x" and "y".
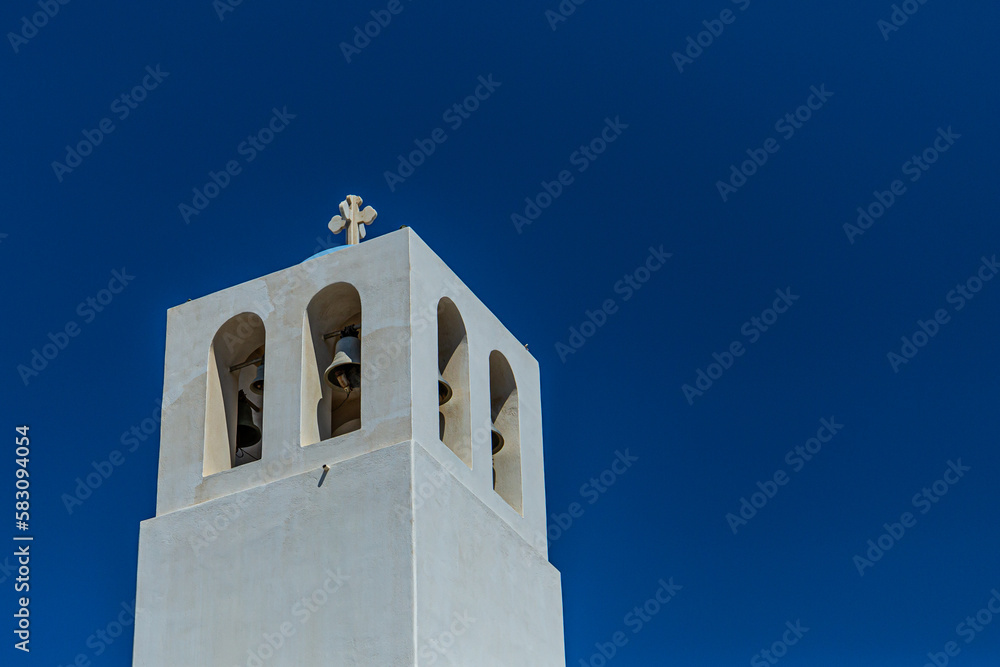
{"x": 496, "y": 439}
{"x": 345, "y": 371}
{"x": 247, "y": 432}
{"x": 444, "y": 390}
{"x": 257, "y": 386}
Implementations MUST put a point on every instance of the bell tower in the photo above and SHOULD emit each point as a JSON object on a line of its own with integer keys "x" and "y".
{"x": 350, "y": 474}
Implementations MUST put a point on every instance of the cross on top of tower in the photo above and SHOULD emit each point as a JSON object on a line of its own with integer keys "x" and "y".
{"x": 353, "y": 219}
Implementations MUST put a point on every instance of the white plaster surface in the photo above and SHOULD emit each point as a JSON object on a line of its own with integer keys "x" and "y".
{"x": 412, "y": 559}
{"x": 470, "y": 566}
{"x": 220, "y": 578}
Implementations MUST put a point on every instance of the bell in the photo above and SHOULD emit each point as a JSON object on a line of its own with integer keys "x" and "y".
{"x": 247, "y": 432}
{"x": 444, "y": 390}
{"x": 257, "y": 386}
{"x": 497, "y": 440}
{"x": 345, "y": 371}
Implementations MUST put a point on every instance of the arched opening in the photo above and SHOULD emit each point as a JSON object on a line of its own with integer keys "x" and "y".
{"x": 331, "y": 358}
{"x": 506, "y": 440}
{"x": 453, "y": 381}
{"x": 234, "y": 416}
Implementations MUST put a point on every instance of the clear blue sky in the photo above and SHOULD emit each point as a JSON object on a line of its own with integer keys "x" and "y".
{"x": 879, "y": 97}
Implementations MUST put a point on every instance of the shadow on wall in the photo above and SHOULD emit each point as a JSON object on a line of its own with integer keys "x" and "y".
{"x": 453, "y": 381}
{"x": 234, "y": 420}
{"x": 506, "y": 425}
{"x": 330, "y": 411}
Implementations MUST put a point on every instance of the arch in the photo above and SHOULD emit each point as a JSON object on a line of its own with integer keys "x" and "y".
{"x": 242, "y": 338}
{"x": 506, "y": 420}
{"x": 327, "y": 412}
{"x": 455, "y": 424}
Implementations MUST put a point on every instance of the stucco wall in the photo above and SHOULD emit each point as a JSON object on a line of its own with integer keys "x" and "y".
{"x": 224, "y": 565}
{"x": 485, "y": 597}
{"x": 218, "y": 579}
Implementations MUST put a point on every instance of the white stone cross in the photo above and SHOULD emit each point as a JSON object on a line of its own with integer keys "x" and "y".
{"x": 353, "y": 219}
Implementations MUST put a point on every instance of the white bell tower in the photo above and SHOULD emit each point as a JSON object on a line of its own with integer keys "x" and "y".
{"x": 311, "y": 515}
